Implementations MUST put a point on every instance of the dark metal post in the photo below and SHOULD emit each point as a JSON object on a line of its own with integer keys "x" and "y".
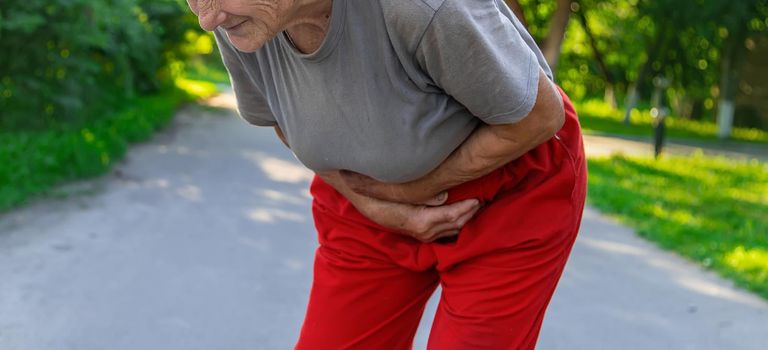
{"x": 659, "y": 113}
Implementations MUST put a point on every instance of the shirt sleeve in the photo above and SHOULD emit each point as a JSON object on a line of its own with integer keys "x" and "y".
{"x": 474, "y": 53}
{"x": 251, "y": 103}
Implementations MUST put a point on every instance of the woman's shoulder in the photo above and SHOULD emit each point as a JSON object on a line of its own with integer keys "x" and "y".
{"x": 417, "y": 12}
{"x": 407, "y": 20}
{"x": 412, "y": 7}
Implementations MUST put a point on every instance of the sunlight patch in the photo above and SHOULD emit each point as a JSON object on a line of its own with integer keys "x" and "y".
{"x": 754, "y": 260}
{"x": 283, "y": 197}
{"x": 278, "y": 169}
{"x": 190, "y": 192}
{"x": 612, "y": 247}
{"x": 710, "y": 288}
{"x": 273, "y": 215}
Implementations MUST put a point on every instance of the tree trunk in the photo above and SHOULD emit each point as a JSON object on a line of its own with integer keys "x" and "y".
{"x": 557, "y": 26}
{"x": 630, "y": 102}
{"x": 729, "y": 80}
{"x": 697, "y": 109}
{"x": 610, "y": 82}
{"x": 632, "y": 93}
{"x": 518, "y": 10}
{"x": 609, "y": 96}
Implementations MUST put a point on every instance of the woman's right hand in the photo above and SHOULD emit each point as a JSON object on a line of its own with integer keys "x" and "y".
{"x": 422, "y": 222}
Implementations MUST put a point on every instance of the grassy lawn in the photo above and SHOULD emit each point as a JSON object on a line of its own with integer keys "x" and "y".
{"x": 32, "y": 162}
{"x": 711, "y": 210}
{"x": 598, "y": 117}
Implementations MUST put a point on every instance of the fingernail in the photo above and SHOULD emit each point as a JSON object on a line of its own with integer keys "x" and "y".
{"x": 442, "y": 196}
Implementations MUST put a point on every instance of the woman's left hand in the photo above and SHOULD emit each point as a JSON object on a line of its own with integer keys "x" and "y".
{"x": 415, "y": 192}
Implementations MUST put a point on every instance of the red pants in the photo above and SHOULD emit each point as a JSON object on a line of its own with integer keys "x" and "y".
{"x": 497, "y": 276}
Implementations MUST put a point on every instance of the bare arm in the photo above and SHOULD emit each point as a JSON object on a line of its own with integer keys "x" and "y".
{"x": 425, "y": 223}
{"x": 487, "y": 149}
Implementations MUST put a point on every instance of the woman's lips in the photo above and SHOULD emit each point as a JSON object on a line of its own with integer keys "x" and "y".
{"x": 234, "y": 28}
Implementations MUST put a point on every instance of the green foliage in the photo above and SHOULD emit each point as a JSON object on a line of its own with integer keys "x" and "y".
{"x": 66, "y": 60}
{"x": 685, "y": 41}
{"x": 81, "y": 79}
{"x": 620, "y": 34}
{"x": 31, "y": 162}
{"x": 710, "y": 210}
{"x": 537, "y": 14}
{"x": 597, "y": 116}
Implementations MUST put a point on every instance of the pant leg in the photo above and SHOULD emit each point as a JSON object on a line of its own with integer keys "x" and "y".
{"x": 500, "y": 274}
{"x": 366, "y": 292}
{"x": 498, "y": 300}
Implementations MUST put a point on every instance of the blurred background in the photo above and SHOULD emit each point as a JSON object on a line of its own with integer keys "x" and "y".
{"x": 82, "y": 80}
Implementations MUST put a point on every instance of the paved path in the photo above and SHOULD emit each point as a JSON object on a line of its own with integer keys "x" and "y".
{"x": 605, "y": 145}
{"x": 202, "y": 239}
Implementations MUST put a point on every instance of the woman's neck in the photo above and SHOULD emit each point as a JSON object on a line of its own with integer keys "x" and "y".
{"x": 309, "y": 24}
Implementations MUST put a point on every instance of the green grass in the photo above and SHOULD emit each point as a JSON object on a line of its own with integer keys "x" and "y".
{"x": 598, "y": 117}
{"x": 32, "y": 162}
{"x": 711, "y": 210}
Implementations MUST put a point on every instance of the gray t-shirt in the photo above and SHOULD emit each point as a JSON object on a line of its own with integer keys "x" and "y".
{"x": 396, "y": 85}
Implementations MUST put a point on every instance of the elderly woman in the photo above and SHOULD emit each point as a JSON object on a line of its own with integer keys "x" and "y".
{"x": 444, "y": 155}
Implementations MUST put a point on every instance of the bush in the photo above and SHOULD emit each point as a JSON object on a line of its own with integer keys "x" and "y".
{"x": 31, "y": 162}
{"x": 66, "y": 60}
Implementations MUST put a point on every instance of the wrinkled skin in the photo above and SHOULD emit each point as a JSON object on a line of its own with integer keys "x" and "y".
{"x": 249, "y": 23}
{"x": 420, "y": 191}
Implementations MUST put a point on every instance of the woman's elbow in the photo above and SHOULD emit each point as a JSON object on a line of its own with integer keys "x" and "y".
{"x": 549, "y": 107}
{"x": 557, "y": 119}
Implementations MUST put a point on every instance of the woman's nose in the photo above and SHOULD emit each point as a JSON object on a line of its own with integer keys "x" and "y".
{"x": 210, "y": 14}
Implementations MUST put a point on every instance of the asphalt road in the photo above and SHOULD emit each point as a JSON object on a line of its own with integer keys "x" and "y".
{"x": 203, "y": 239}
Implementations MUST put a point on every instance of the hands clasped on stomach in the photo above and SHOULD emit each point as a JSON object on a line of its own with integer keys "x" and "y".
{"x": 418, "y": 212}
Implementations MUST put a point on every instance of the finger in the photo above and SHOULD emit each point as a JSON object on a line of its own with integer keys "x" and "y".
{"x": 434, "y": 232}
{"x": 467, "y": 216}
{"x": 430, "y": 217}
{"x": 437, "y": 200}
{"x": 444, "y": 229}
{"x": 458, "y": 209}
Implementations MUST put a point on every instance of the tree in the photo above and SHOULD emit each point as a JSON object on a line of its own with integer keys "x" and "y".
{"x": 597, "y": 54}
{"x": 518, "y": 10}
{"x": 546, "y": 21}
{"x": 737, "y": 21}
{"x": 557, "y": 26}
{"x": 72, "y": 58}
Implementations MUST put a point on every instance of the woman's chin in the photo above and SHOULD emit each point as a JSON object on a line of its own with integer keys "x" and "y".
{"x": 246, "y": 43}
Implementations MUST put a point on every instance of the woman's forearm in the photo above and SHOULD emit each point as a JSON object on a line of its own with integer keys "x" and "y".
{"x": 486, "y": 149}
{"x": 492, "y": 146}
{"x": 334, "y": 179}
{"x": 420, "y": 222}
